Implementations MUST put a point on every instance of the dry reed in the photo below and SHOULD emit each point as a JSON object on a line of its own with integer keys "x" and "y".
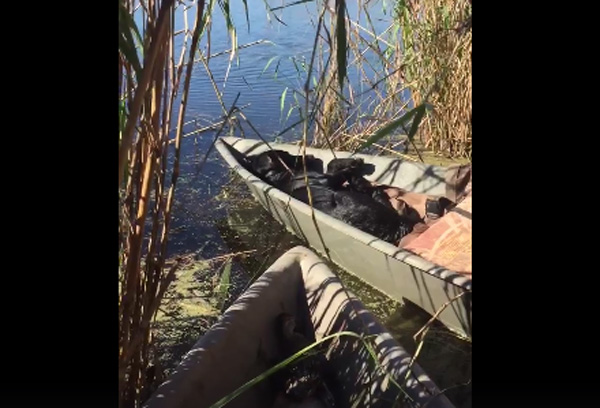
{"x": 148, "y": 91}
{"x": 422, "y": 57}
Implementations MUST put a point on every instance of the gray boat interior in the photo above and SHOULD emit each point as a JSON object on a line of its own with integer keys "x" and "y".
{"x": 240, "y": 345}
{"x": 412, "y": 176}
{"x": 405, "y": 174}
{"x": 399, "y": 273}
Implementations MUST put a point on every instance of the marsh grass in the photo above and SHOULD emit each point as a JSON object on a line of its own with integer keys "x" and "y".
{"x": 421, "y": 60}
{"x": 436, "y": 52}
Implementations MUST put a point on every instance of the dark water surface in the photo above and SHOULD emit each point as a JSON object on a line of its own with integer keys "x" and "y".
{"x": 287, "y": 47}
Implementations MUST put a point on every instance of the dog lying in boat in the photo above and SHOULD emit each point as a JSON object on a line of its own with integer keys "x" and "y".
{"x": 340, "y": 192}
{"x": 420, "y": 208}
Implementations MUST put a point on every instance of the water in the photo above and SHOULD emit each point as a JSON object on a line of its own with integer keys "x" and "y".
{"x": 214, "y": 215}
{"x": 288, "y": 47}
{"x": 259, "y": 93}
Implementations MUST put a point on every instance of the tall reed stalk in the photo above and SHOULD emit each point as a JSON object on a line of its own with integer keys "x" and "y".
{"x": 150, "y": 79}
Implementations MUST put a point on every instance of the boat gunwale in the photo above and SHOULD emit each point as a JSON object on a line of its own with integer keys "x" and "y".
{"x": 447, "y": 275}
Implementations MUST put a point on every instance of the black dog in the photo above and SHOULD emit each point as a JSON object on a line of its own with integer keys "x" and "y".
{"x": 353, "y": 169}
{"x": 355, "y": 204}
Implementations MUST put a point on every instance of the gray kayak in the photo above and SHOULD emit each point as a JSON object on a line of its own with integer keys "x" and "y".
{"x": 235, "y": 350}
{"x": 401, "y": 274}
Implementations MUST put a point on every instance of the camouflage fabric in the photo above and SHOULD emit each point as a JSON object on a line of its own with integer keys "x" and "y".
{"x": 448, "y": 241}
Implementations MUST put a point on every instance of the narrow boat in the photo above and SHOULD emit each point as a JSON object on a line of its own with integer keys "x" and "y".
{"x": 239, "y": 347}
{"x": 432, "y": 271}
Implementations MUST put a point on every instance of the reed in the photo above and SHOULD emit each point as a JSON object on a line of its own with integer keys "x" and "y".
{"x": 155, "y": 73}
{"x": 421, "y": 60}
{"x": 154, "y": 80}
{"x": 436, "y": 52}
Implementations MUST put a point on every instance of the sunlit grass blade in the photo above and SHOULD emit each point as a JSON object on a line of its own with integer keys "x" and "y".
{"x": 390, "y": 127}
{"x": 283, "y": 98}
{"x": 268, "y": 64}
{"x": 261, "y": 377}
{"x": 224, "y": 284}
{"x": 289, "y": 112}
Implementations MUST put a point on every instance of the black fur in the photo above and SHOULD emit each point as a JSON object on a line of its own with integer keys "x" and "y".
{"x": 342, "y": 192}
{"x": 351, "y": 171}
{"x": 437, "y": 208}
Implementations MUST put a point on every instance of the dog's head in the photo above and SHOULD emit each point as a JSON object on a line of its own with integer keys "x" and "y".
{"x": 271, "y": 160}
{"x": 350, "y": 166}
{"x": 274, "y": 166}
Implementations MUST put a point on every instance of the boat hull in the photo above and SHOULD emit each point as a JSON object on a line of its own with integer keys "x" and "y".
{"x": 400, "y": 274}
